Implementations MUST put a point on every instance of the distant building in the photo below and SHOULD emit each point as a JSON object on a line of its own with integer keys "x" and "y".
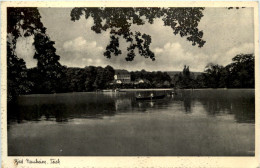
{"x": 139, "y": 80}
{"x": 122, "y": 76}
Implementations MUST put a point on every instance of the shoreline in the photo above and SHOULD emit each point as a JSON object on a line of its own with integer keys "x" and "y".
{"x": 133, "y": 90}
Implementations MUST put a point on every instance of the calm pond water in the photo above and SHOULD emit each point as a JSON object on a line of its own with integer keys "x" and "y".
{"x": 191, "y": 123}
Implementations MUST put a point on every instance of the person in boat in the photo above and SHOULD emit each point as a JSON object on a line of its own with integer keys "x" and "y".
{"x": 139, "y": 95}
{"x": 151, "y": 95}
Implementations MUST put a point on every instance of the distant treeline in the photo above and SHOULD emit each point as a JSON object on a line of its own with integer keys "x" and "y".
{"x": 89, "y": 78}
{"x": 238, "y": 74}
{"x": 54, "y": 78}
{"x": 93, "y": 78}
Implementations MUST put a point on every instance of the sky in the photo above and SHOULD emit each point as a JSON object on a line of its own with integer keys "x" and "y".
{"x": 226, "y": 32}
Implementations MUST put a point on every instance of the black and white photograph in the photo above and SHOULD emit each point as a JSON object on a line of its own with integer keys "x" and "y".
{"x": 129, "y": 81}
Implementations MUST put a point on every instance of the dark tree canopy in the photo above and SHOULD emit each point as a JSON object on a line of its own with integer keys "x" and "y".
{"x": 183, "y": 21}
{"x": 24, "y": 22}
{"x": 24, "y": 19}
{"x": 46, "y": 55}
{"x": 17, "y": 81}
{"x": 20, "y": 22}
{"x": 243, "y": 71}
{"x": 238, "y": 74}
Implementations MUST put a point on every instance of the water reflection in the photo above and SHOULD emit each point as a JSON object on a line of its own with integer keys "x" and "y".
{"x": 187, "y": 101}
{"x": 240, "y": 103}
{"x": 63, "y": 107}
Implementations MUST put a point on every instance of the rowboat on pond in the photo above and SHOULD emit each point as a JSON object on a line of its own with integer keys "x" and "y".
{"x": 151, "y": 97}
{"x": 107, "y": 90}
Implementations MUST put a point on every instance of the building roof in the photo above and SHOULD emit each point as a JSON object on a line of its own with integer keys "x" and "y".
{"x": 121, "y": 72}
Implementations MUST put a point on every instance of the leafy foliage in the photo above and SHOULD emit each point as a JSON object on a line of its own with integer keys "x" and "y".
{"x": 152, "y": 79}
{"x": 185, "y": 79}
{"x": 86, "y": 79}
{"x": 242, "y": 71}
{"x": 23, "y": 22}
{"x": 183, "y": 21}
{"x": 20, "y": 22}
{"x": 17, "y": 81}
{"x": 239, "y": 74}
{"x": 213, "y": 75}
{"x": 48, "y": 71}
{"x": 234, "y": 8}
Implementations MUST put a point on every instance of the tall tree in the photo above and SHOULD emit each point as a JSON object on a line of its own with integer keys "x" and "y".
{"x": 242, "y": 71}
{"x": 183, "y": 21}
{"x": 109, "y": 73}
{"x": 91, "y": 73}
{"x": 213, "y": 75}
{"x": 20, "y": 22}
{"x": 24, "y": 22}
{"x": 48, "y": 65}
{"x": 186, "y": 80}
{"x": 17, "y": 81}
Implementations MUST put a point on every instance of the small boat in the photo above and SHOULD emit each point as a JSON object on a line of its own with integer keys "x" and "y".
{"x": 107, "y": 90}
{"x": 150, "y": 97}
{"x": 116, "y": 90}
{"x": 173, "y": 93}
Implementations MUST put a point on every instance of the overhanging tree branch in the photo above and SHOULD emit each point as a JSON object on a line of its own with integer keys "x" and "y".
{"x": 183, "y": 21}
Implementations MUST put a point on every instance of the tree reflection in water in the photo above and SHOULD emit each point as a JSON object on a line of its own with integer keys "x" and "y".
{"x": 63, "y": 107}
{"x": 240, "y": 103}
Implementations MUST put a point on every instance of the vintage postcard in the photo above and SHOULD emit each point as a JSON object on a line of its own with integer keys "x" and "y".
{"x": 130, "y": 84}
